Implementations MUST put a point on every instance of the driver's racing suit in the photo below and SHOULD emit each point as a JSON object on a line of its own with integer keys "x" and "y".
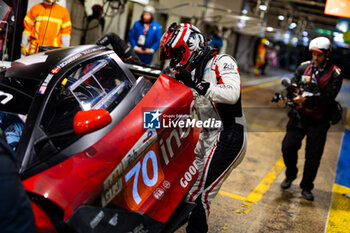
{"x": 218, "y": 150}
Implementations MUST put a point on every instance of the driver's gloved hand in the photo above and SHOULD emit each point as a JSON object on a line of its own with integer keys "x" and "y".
{"x": 186, "y": 77}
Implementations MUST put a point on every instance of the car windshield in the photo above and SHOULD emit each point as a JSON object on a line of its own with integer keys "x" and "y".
{"x": 93, "y": 84}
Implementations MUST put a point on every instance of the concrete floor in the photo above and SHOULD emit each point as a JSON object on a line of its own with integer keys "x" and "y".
{"x": 251, "y": 200}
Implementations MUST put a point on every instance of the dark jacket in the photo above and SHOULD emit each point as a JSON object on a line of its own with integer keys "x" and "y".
{"x": 328, "y": 85}
{"x": 16, "y": 213}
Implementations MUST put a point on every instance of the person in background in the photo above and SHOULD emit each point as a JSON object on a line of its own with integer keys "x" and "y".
{"x": 145, "y": 35}
{"x": 318, "y": 82}
{"x": 216, "y": 86}
{"x": 46, "y": 24}
{"x": 95, "y": 25}
{"x": 260, "y": 57}
{"x": 9, "y": 25}
{"x": 216, "y": 40}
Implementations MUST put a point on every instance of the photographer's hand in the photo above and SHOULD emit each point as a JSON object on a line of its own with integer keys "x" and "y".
{"x": 298, "y": 99}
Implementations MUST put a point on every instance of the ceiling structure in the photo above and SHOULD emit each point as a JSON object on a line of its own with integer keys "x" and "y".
{"x": 307, "y": 14}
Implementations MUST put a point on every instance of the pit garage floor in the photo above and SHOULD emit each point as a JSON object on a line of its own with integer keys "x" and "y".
{"x": 251, "y": 199}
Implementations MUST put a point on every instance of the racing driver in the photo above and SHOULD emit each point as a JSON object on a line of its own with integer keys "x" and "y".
{"x": 216, "y": 85}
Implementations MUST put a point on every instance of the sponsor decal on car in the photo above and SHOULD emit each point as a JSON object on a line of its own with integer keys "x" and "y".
{"x": 113, "y": 184}
{"x": 140, "y": 229}
{"x": 160, "y": 191}
{"x": 114, "y": 220}
{"x": 146, "y": 140}
{"x": 188, "y": 176}
{"x": 56, "y": 69}
{"x": 97, "y": 219}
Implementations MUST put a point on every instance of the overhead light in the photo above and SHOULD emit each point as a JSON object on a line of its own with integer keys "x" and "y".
{"x": 286, "y": 37}
{"x": 245, "y": 9}
{"x": 240, "y": 17}
{"x": 305, "y": 41}
{"x": 294, "y": 41}
{"x": 305, "y": 33}
{"x": 342, "y": 26}
{"x": 263, "y": 7}
{"x": 292, "y": 25}
{"x": 280, "y": 17}
{"x": 269, "y": 29}
{"x": 241, "y": 24}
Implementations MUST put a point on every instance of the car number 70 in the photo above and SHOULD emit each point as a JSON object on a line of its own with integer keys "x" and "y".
{"x": 146, "y": 180}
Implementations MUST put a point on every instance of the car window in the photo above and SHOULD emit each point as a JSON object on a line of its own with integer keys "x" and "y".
{"x": 11, "y": 127}
{"x": 91, "y": 85}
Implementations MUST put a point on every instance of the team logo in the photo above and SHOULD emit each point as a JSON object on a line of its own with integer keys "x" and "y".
{"x": 151, "y": 120}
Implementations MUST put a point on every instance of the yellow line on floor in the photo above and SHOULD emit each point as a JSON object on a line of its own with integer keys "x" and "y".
{"x": 265, "y": 184}
{"x": 348, "y": 119}
{"x": 268, "y": 84}
{"x": 234, "y": 196}
{"x": 259, "y": 191}
{"x": 339, "y": 214}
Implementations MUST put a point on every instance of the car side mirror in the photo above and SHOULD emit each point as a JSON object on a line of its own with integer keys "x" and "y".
{"x": 91, "y": 120}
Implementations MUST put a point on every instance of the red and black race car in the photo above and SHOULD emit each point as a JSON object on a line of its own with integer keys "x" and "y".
{"x": 93, "y": 154}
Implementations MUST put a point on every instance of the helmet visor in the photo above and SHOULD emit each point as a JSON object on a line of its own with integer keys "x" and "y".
{"x": 171, "y": 53}
{"x": 165, "y": 53}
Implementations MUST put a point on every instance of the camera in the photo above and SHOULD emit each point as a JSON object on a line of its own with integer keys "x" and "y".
{"x": 287, "y": 94}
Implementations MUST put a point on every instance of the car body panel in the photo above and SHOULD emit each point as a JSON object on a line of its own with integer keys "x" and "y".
{"x": 83, "y": 178}
{"x": 127, "y": 167}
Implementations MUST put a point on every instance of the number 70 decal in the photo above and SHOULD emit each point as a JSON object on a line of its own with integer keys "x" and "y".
{"x": 146, "y": 180}
{"x": 142, "y": 179}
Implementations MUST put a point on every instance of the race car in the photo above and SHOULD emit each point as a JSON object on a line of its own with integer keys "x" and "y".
{"x": 92, "y": 150}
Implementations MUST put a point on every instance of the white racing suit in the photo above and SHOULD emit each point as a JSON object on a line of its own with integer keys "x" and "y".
{"x": 219, "y": 150}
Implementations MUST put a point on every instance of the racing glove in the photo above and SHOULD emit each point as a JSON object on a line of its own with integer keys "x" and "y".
{"x": 186, "y": 77}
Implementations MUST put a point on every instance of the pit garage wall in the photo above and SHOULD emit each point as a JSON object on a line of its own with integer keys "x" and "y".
{"x": 244, "y": 53}
{"x": 170, "y": 11}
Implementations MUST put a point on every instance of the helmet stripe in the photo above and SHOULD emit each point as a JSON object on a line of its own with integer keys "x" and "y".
{"x": 178, "y": 37}
{"x": 172, "y": 38}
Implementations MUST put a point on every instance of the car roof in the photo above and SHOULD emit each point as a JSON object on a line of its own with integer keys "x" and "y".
{"x": 20, "y": 82}
{"x": 38, "y": 66}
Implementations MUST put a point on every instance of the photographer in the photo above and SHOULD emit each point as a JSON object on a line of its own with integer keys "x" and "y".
{"x": 317, "y": 83}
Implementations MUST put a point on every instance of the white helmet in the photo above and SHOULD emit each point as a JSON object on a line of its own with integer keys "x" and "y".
{"x": 320, "y": 44}
{"x": 149, "y": 9}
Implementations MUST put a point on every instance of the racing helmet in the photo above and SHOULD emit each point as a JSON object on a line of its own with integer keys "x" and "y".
{"x": 320, "y": 44}
{"x": 182, "y": 44}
